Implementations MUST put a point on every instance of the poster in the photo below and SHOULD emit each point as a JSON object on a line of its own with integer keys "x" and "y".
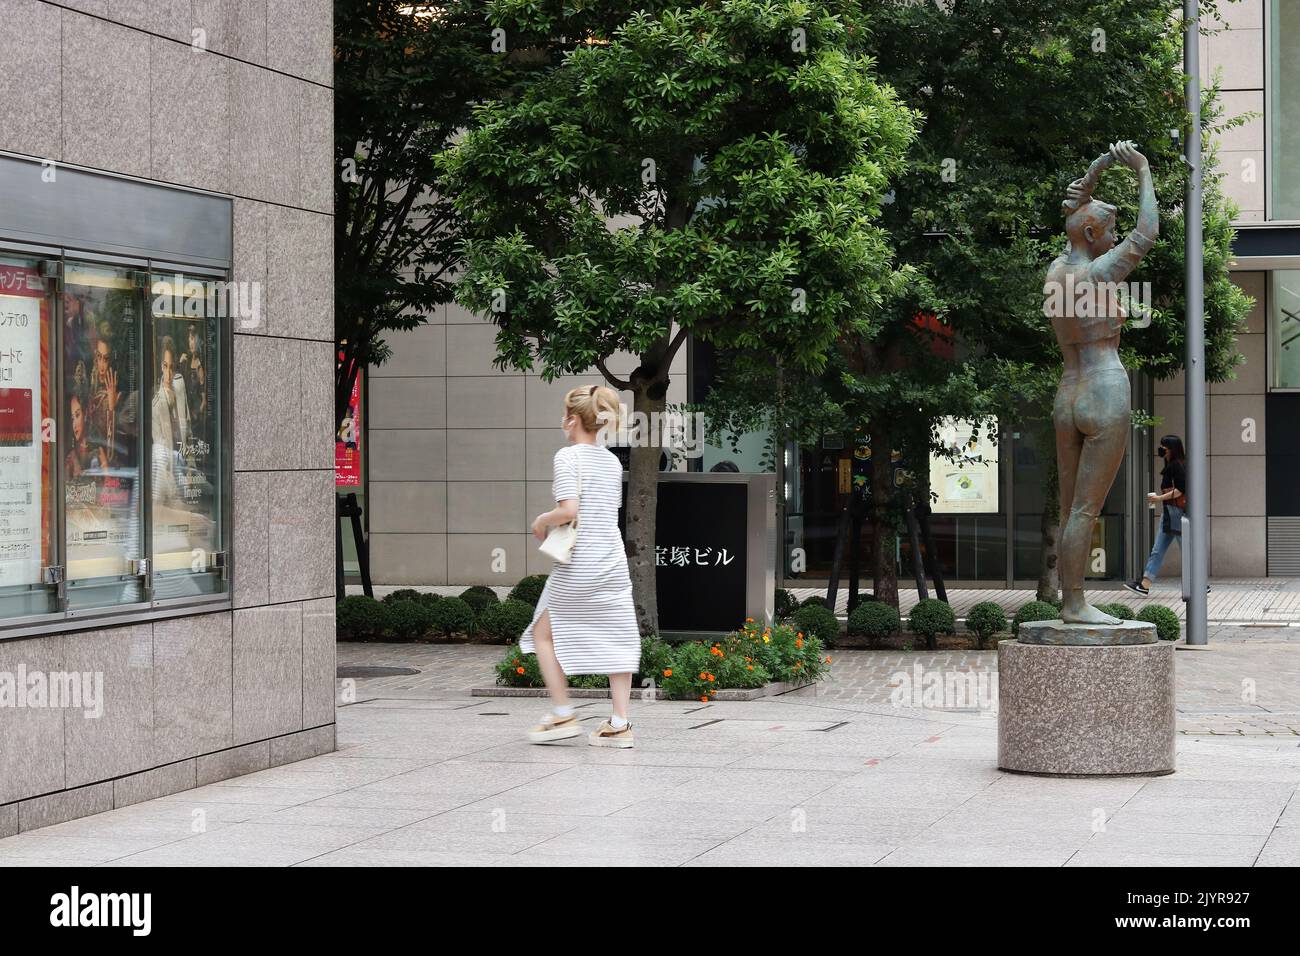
{"x": 182, "y": 409}
{"x": 965, "y": 480}
{"x": 347, "y": 443}
{"x": 22, "y": 499}
{"x": 101, "y": 367}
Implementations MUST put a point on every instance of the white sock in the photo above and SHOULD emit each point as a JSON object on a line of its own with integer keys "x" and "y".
{"x": 618, "y": 723}
{"x": 562, "y": 712}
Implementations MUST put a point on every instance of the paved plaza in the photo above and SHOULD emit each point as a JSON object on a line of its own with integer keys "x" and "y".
{"x": 426, "y": 774}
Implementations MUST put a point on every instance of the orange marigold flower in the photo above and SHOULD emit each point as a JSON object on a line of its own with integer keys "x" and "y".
{"x": 710, "y": 677}
{"x": 519, "y": 670}
{"x": 668, "y": 672}
{"x": 828, "y": 660}
{"x": 800, "y": 634}
{"x": 751, "y": 667}
{"x": 799, "y": 643}
{"x": 703, "y": 675}
{"x": 704, "y": 699}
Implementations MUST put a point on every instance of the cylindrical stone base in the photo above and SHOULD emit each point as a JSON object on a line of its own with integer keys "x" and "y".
{"x": 1086, "y": 711}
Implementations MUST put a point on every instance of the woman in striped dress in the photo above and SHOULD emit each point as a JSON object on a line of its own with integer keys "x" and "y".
{"x": 585, "y": 622}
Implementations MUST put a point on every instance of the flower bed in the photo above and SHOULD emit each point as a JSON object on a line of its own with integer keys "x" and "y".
{"x": 752, "y": 659}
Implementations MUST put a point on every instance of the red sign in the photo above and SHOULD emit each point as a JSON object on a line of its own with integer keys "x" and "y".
{"x": 15, "y": 417}
{"x": 347, "y": 444}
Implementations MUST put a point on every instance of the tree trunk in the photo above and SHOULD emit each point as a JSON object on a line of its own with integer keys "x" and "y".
{"x": 1048, "y": 579}
{"x": 642, "y": 499}
{"x": 837, "y": 560}
{"x": 855, "y": 550}
{"x": 884, "y": 576}
{"x": 914, "y": 536}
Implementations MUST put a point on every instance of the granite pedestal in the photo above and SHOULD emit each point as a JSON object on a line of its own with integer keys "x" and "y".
{"x": 1086, "y": 709}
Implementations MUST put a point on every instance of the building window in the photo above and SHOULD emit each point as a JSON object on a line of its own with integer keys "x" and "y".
{"x": 1284, "y": 111}
{"x": 112, "y": 482}
{"x": 1284, "y": 329}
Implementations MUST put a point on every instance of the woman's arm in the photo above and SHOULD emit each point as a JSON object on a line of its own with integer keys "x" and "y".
{"x": 563, "y": 512}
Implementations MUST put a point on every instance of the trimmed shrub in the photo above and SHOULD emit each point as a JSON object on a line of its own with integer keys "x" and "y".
{"x": 451, "y": 616}
{"x": 361, "y": 618}
{"x": 480, "y": 597}
{"x": 507, "y": 620}
{"x": 402, "y": 594}
{"x": 874, "y": 620}
{"x": 819, "y": 621}
{"x": 1034, "y": 611}
{"x": 1165, "y": 620}
{"x": 529, "y": 589}
{"x": 985, "y": 620}
{"x": 410, "y": 620}
{"x": 784, "y": 605}
{"x": 930, "y": 618}
{"x": 817, "y": 600}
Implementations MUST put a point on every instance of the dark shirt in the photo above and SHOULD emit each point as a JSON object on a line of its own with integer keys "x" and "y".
{"x": 1173, "y": 475}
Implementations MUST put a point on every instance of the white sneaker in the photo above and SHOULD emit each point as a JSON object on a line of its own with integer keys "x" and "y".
{"x": 554, "y": 728}
{"x": 606, "y": 735}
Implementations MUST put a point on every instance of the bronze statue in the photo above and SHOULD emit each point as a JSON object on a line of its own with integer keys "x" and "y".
{"x": 1091, "y": 412}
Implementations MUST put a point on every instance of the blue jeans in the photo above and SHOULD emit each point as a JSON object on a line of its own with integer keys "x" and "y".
{"x": 1171, "y": 520}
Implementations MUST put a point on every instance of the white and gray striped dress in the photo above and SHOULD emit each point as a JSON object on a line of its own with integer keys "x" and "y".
{"x": 593, "y": 620}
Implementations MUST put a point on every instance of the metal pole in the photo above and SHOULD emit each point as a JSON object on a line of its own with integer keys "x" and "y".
{"x": 1195, "y": 551}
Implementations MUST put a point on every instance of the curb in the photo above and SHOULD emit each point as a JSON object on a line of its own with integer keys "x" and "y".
{"x": 774, "y": 689}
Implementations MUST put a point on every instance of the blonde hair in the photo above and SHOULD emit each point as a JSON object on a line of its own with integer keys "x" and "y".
{"x": 594, "y": 406}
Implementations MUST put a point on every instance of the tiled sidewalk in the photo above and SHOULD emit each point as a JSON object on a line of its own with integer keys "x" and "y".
{"x": 427, "y": 775}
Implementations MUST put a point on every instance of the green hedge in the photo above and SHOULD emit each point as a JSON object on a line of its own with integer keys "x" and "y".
{"x": 1034, "y": 611}
{"x": 819, "y": 621}
{"x": 361, "y": 618}
{"x": 506, "y": 620}
{"x": 480, "y": 597}
{"x": 985, "y": 620}
{"x": 1165, "y": 620}
{"x": 930, "y": 618}
{"x": 874, "y": 620}
{"x": 529, "y": 589}
{"x": 784, "y": 605}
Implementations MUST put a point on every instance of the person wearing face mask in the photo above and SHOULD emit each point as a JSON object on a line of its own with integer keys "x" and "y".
{"x": 585, "y": 622}
{"x": 1173, "y": 496}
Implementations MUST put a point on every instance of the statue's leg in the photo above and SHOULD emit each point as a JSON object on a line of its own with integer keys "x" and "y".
{"x": 1101, "y": 413}
{"x": 1069, "y": 444}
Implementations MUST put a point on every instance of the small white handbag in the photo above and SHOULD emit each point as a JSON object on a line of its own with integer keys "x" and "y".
{"x": 560, "y": 540}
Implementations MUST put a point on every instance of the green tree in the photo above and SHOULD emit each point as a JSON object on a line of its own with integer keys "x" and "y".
{"x": 689, "y": 169}
{"x": 1018, "y": 97}
{"x": 405, "y": 83}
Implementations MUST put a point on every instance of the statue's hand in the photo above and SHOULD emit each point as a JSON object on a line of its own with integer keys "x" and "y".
{"x": 1126, "y": 152}
{"x": 1077, "y": 192}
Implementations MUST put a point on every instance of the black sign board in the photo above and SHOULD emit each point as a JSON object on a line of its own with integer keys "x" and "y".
{"x": 701, "y": 555}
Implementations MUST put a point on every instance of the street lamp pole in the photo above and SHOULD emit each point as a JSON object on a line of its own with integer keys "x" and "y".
{"x": 1196, "y": 550}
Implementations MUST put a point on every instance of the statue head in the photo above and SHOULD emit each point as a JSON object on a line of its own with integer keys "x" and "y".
{"x": 1091, "y": 226}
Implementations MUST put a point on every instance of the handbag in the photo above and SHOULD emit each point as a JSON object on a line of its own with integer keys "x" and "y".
{"x": 560, "y": 540}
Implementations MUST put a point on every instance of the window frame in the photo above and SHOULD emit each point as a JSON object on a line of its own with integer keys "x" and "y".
{"x": 65, "y": 620}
